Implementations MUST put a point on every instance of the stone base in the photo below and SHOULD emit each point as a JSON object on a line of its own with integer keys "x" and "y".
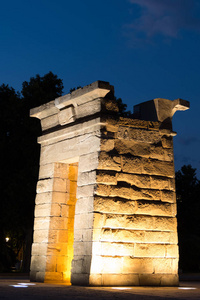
{"x": 134, "y": 280}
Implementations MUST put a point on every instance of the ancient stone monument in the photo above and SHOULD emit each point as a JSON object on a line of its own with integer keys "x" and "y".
{"x": 105, "y": 209}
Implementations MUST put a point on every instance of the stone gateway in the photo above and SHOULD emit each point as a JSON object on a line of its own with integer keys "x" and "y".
{"x": 105, "y": 211}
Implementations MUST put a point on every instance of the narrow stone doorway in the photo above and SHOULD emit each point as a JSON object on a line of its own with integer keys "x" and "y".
{"x": 52, "y": 250}
{"x": 61, "y": 230}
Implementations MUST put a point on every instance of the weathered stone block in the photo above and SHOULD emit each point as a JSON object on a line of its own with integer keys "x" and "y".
{"x": 158, "y": 237}
{"x": 134, "y": 123}
{"x": 41, "y": 222}
{"x": 160, "y": 183}
{"x": 72, "y": 173}
{"x": 165, "y": 224}
{"x": 109, "y": 205}
{"x": 88, "y": 143}
{"x": 109, "y": 162}
{"x": 107, "y": 177}
{"x": 88, "y": 108}
{"x": 138, "y": 135}
{"x": 58, "y": 223}
{"x": 49, "y": 122}
{"x": 40, "y": 276}
{"x": 122, "y": 235}
{"x": 140, "y": 181}
{"x": 51, "y": 263}
{"x": 162, "y": 168}
{"x": 62, "y": 236}
{"x": 45, "y": 210}
{"x": 164, "y": 266}
{"x": 136, "y": 265}
{"x": 46, "y": 171}
{"x": 53, "y": 277}
{"x": 120, "y": 279}
{"x": 57, "y": 249}
{"x": 53, "y": 236}
{"x": 129, "y": 221}
{"x": 41, "y": 236}
{"x": 85, "y": 191}
{"x": 168, "y": 196}
{"x": 150, "y": 279}
{"x": 98, "y": 220}
{"x": 172, "y": 251}
{"x": 95, "y": 279}
{"x": 132, "y": 165}
{"x": 107, "y": 144}
{"x": 154, "y": 209}
{"x": 107, "y": 264}
{"x": 83, "y": 235}
{"x": 145, "y": 194}
{"x": 66, "y": 115}
{"x": 39, "y": 249}
{"x": 88, "y": 162}
{"x": 51, "y": 197}
{"x": 169, "y": 280}
{"x": 38, "y": 263}
{"x": 87, "y": 178}
{"x": 82, "y": 248}
{"x": 64, "y": 210}
{"x": 43, "y": 198}
{"x": 116, "y": 249}
{"x": 59, "y": 197}
{"x": 80, "y": 279}
{"x": 149, "y": 250}
{"x": 53, "y": 184}
{"x": 132, "y": 147}
{"x": 113, "y": 191}
{"x": 160, "y": 153}
{"x": 84, "y": 205}
{"x": 167, "y": 142}
{"x": 83, "y": 221}
{"x": 81, "y": 264}
{"x": 71, "y": 188}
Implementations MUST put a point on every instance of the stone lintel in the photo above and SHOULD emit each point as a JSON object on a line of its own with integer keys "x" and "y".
{"x": 69, "y": 132}
{"x": 45, "y": 110}
{"x": 97, "y": 89}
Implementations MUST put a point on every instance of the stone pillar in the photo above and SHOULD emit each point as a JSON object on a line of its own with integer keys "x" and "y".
{"x": 106, "y": 205}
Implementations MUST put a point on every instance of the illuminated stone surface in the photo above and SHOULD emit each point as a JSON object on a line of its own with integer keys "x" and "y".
{"x": 105, "y": 209}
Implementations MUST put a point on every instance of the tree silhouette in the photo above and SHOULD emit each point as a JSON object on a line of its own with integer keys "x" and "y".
{"x": 188, "y": 212}
{"x": 20, "y": 163}
{"x": 40, "y": 90}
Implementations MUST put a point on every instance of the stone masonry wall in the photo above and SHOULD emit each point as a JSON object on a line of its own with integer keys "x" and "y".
{"x": 105, "y": 209}
{"x": 135, "y": 228}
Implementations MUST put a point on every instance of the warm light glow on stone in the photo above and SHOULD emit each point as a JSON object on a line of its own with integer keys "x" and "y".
{"x": 110, "y": 219}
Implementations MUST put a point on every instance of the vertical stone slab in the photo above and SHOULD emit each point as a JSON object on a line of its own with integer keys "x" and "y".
{"x": 83, "y": 225}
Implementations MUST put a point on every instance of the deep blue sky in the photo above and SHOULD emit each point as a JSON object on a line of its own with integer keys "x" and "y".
{"x": 145, "y": 48}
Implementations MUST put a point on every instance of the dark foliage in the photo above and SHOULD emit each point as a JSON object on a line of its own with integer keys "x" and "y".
{"x": 40, "y": 90}
{"x": 20, "y": 164}
{"x": 122, "y": 109}
{"x": 188, "y": 212}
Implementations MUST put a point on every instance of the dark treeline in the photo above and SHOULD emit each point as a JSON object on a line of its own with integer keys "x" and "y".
{"x": 188, "y": 215}
{"x": 19, "y": 165}
{"x": 19, "y": 174}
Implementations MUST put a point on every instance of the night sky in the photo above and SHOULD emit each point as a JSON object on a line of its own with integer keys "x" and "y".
{"x": 145, "y": 48}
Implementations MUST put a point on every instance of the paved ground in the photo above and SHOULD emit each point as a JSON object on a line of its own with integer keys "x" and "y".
{"x": 21, "y": 289}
